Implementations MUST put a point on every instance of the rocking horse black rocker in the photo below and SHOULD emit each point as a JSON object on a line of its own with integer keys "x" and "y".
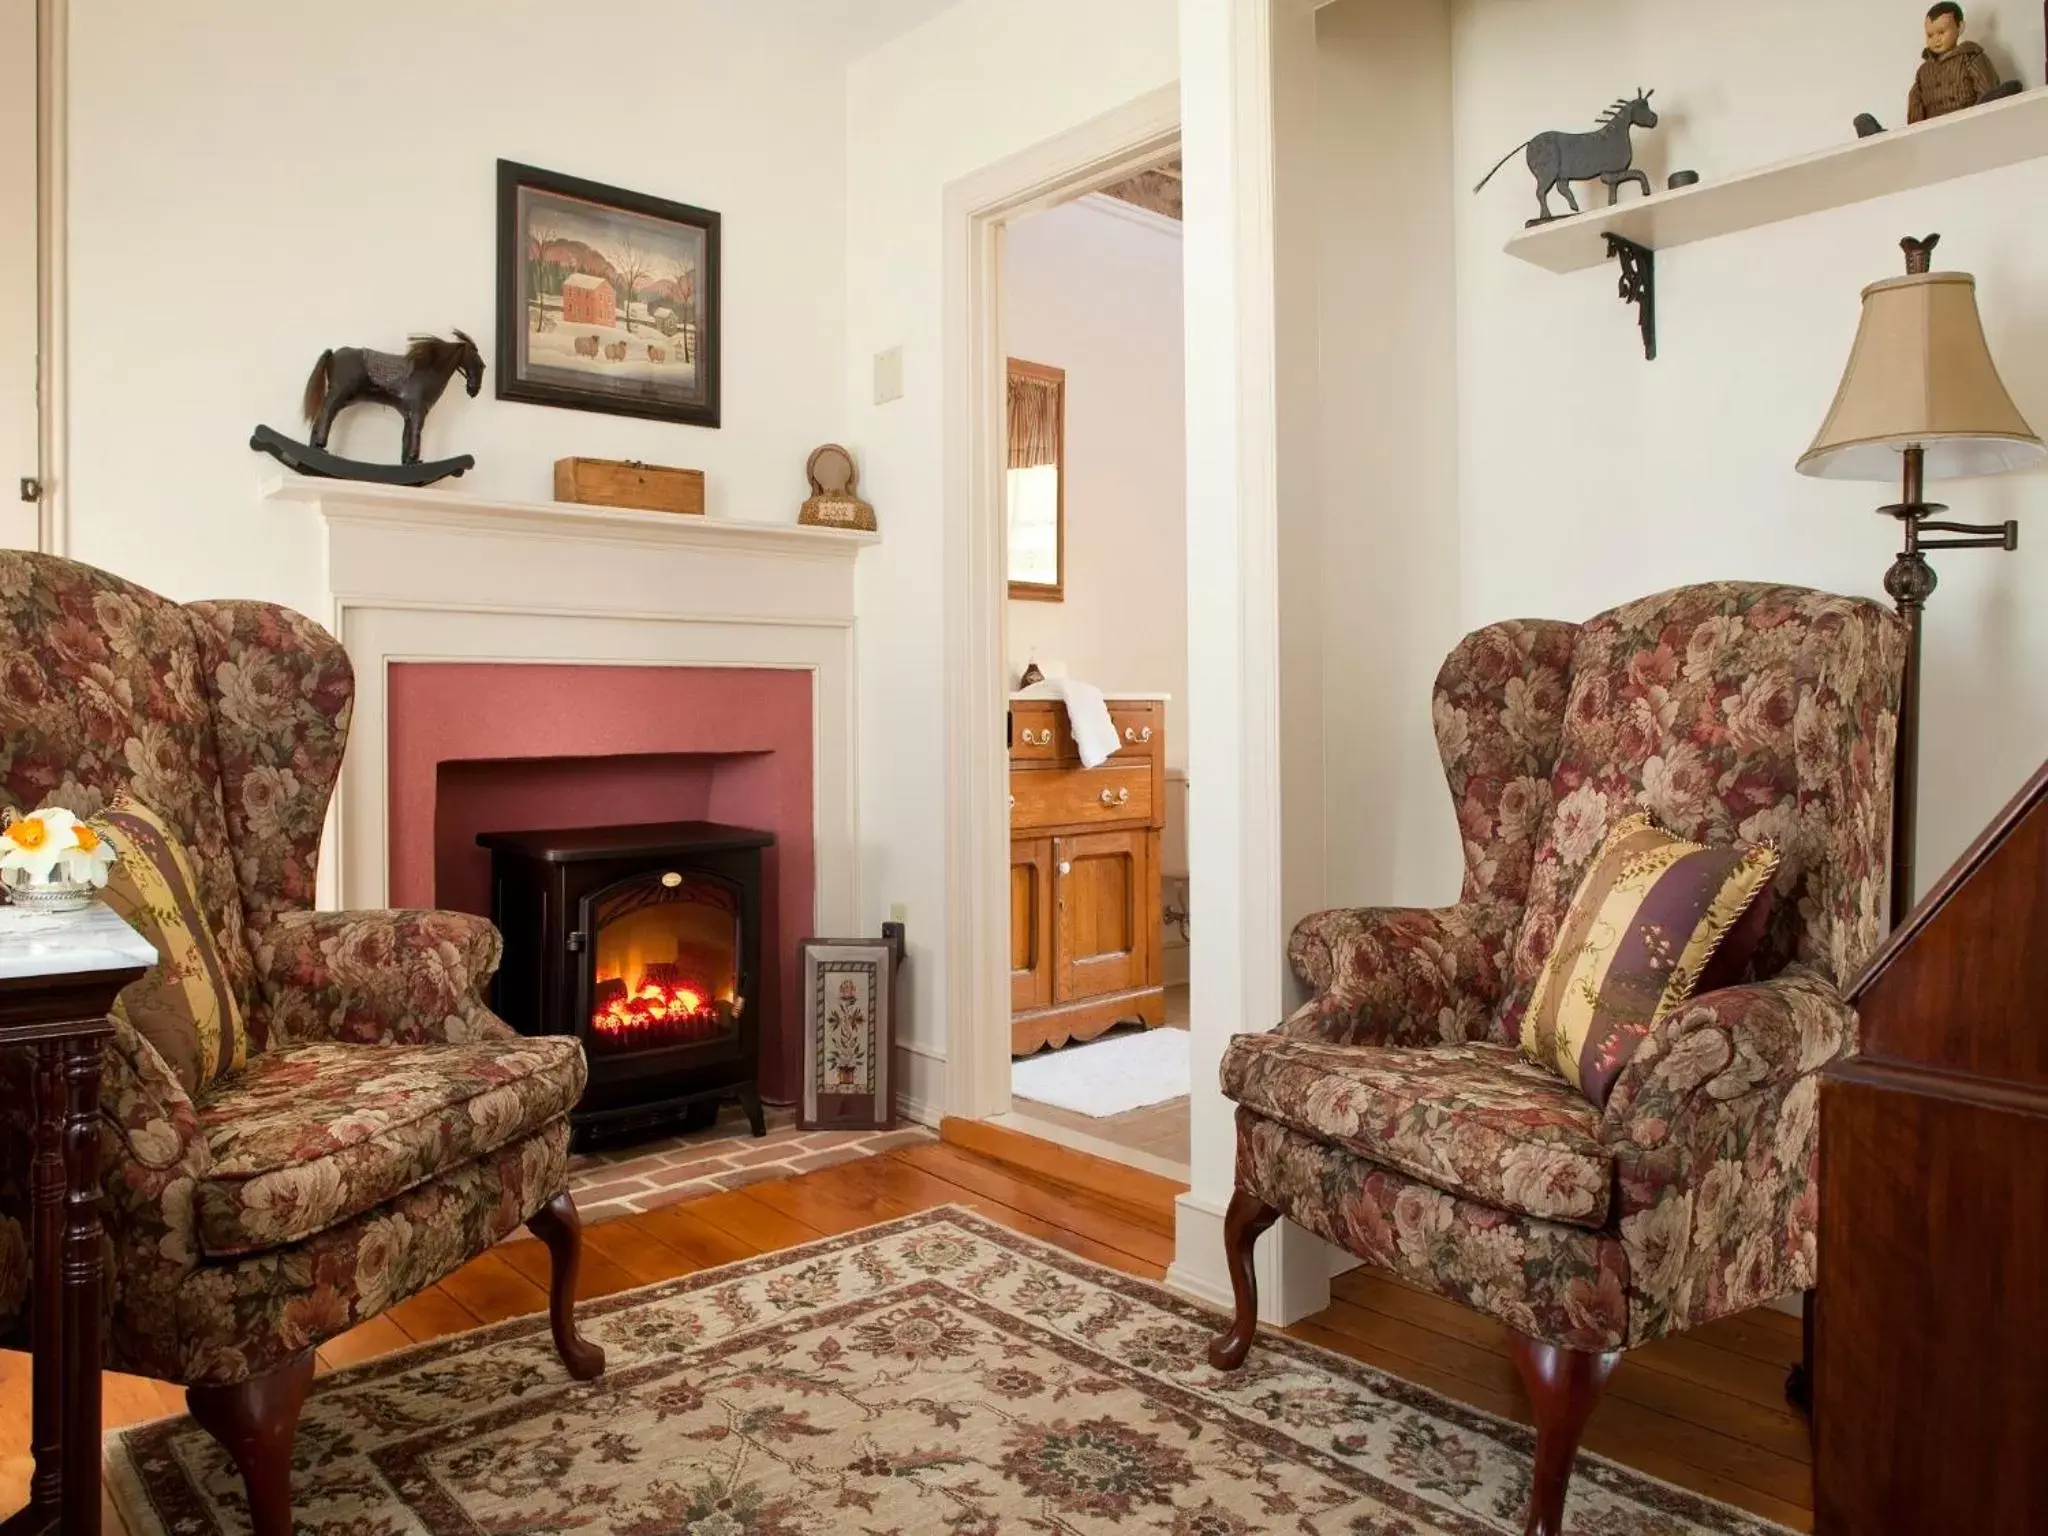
{"x": 409, "y": 382}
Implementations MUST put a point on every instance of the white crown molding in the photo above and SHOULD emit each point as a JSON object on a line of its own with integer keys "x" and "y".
{"x": 360, "y": 502}
{"x": 1116, "y": 208}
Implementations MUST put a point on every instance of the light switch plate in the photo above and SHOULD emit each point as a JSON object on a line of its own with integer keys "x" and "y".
{"x": 888, "y": 375}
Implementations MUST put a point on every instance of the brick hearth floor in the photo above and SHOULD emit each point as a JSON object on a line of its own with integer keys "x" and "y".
{"x": 618, "y": 1181}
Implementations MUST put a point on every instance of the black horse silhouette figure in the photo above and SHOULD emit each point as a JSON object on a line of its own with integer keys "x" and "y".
{"x": 408, "y": 382}
{"x": 1557, "y": 159}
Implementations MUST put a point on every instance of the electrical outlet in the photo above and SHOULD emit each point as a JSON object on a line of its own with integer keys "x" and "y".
{"x": 888, "y": 376}
{"x": 899, "y": 913}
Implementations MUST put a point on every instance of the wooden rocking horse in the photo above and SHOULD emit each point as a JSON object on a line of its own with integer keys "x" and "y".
{"x": 409, "y": 382}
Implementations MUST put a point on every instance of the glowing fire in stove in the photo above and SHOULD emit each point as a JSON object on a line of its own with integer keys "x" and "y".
{"x": 660, "y": 1010}
{"x": 664, "y": 975}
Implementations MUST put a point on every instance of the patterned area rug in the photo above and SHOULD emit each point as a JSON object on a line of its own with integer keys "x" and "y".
{"x": 938, "y": 1373}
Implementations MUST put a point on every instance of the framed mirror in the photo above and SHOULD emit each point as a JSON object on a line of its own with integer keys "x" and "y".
{"x": 1035, "y": 484}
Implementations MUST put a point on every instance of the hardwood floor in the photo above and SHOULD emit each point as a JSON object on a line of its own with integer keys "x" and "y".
{"x": 1704, "y": 1410}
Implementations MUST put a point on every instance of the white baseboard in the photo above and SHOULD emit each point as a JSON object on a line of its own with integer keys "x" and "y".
{"x": 1197, "y": 1268}
{"x": 920, "y": 1085}
{"x": 1292, "y": 1265}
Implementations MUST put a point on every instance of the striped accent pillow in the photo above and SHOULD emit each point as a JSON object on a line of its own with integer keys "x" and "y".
{"x": 1650, "y": 918}
{"x": 184, "y": 1005}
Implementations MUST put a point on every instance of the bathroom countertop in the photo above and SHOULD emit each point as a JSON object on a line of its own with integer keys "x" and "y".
{"x": 1032, "y": 695}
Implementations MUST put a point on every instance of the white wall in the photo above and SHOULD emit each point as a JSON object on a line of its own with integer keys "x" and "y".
{"x": 1097, "y": 292}
{"x": 976, "y": 84}
{"x": 249, "y": 188}
{"x": 1588, "y": 476}
{"x": 1387, "y": 396}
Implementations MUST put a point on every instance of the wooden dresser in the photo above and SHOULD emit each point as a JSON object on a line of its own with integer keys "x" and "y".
{"x": 1084, "y": 875}
{"x": 1931, "y": 1340}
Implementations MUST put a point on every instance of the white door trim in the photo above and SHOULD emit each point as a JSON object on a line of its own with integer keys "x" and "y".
{"x": 1246, "y": 340}
{"x": 977, "y": 935}
{"x": 53, "y": 64}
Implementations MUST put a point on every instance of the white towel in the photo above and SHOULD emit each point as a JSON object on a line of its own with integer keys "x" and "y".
{"x": 1087, "y": 716}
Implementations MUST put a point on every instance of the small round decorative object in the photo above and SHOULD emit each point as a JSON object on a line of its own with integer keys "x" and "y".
{"x": 833, "y": 501}
{"x": 1679, "y": 179}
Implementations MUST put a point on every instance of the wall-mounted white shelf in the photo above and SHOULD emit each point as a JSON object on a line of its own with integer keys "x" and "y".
{"x": 1942, "y": 149}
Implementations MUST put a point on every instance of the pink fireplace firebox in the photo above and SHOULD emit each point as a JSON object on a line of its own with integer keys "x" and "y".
{"x": 504, "y": 747}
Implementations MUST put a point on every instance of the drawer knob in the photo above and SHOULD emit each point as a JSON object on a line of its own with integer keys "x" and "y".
{"x": 1042, "y": 739}
{"x": 1132, "y": 733}
{"x": 1013, "y": 802}
{"x": 1116, "y": 797}
{"x": 1066, "y": 866}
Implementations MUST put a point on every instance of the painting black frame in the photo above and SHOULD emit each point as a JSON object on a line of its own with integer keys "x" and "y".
{"x": 512, "y": 304}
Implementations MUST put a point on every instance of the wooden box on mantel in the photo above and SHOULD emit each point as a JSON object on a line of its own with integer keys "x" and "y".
{"x": 629, "y": 483}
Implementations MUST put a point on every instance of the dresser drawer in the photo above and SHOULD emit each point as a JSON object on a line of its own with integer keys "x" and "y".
{"x": 1081, "y": 796}
{"x": 1038, "y": 733}
{"x": 1140, "y": 729}
{"x": 1041, "y": 733}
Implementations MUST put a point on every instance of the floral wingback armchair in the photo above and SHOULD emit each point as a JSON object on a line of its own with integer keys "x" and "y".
{"x": 384, "y": 1127}
{"x": 1395, "y": 1116}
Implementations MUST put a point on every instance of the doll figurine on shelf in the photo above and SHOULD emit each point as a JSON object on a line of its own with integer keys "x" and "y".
{"x": 1953, "y": 74}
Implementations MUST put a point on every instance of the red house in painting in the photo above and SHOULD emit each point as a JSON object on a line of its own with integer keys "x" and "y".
{"x": 588, "y": 300}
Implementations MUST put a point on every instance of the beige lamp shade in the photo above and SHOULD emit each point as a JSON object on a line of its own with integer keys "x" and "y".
{"x": 1921, "y": 376}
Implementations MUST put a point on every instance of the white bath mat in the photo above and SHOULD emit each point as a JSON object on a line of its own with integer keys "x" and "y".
{"x": 1108, "y": 1076}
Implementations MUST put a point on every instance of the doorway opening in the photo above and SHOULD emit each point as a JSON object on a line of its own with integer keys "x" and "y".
{"x": 1094, "y": 667}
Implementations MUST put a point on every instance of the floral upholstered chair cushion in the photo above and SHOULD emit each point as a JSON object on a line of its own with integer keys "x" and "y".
{"x": 307, "y": 1136}
{"x": 1655, "y": 919}
{"x": 1476, "y": 1120}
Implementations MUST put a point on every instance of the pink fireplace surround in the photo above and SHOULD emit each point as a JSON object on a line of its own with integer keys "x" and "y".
{"x": 488, "y": 746}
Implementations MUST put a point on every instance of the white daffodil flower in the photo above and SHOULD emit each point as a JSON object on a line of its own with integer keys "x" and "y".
{"x": 89, "y": 859}
{"x": 52, "y": 840}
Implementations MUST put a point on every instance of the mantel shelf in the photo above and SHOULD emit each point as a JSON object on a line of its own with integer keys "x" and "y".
{"x": 1983, "y": 138}
{"x": 360, "y": 501}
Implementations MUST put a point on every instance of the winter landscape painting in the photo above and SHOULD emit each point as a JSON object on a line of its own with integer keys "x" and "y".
{"x": 607, "y": 299}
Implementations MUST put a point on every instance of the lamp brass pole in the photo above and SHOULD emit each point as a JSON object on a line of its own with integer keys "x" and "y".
{"x": 1911, "y": 581}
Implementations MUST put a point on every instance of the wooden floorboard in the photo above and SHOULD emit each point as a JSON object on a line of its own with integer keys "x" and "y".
{"x": 1704, "y": 1410}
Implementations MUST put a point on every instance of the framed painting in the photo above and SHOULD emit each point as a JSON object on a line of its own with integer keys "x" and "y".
{"x": 849, "y": 993}
{"x": 607, "y": 299}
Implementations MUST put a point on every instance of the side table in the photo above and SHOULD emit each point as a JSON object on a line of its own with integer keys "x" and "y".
{"x": 59, "y": 976}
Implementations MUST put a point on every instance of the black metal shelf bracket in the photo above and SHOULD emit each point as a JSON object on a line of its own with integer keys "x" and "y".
{"x": 1638, "y": 286}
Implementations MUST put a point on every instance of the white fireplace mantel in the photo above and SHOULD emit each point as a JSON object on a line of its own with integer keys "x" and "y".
{"x": 382, "y": 541}
{"x": 432, "y": 575}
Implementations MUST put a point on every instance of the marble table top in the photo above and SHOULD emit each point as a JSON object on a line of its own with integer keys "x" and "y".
{"x": 36, "y": 944}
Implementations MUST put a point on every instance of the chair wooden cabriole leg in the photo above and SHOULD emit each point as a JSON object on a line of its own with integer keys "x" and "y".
{"x": 558, "y": 1225}
{"x": 1564, "y": 1387}
{"x": 1243, "y": 1221}
{"x": 255, "y": 1421}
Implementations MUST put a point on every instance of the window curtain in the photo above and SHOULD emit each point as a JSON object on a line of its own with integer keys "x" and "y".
{"x": 1035, "y": 409}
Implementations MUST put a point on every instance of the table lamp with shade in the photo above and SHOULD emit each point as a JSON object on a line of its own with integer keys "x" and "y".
{"x": 1921, "y": 397}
